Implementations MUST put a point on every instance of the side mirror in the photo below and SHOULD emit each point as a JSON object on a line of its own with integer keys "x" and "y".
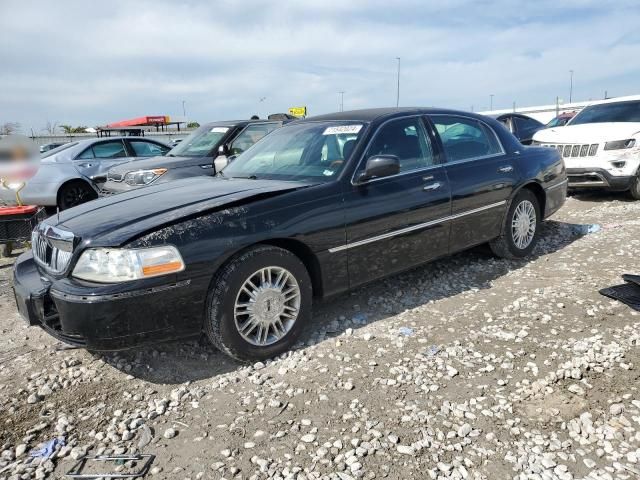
{"x": 380, "y": 166}
{"x": 223, "y": 150}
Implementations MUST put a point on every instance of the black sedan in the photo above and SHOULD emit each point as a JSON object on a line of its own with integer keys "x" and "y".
{"x": 522, "y": 126}
{"x": 316, "y": 208}
{"x": 204, "y": 152}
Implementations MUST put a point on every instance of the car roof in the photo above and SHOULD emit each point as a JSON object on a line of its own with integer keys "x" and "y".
{"x": 235, "y": 123}
{"x": 373, "y": 114}
{"x": 515, "y": 114}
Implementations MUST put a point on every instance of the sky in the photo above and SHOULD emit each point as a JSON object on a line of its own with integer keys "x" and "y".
{"x": 90, "y": 63}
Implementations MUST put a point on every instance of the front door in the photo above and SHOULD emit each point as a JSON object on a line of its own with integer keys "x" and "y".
{"x": 393, "y": 222}
{"x": 482, "y": 177}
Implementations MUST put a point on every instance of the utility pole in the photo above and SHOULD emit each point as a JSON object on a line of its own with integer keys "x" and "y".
{"x": 514, "y": 107}
{"x": 341, "y": 101}
{"x": 398, "y": 90}
{"x": 184, "y": 113}
{"x": 491, "y": 102}
{"x": 571, "y": 86}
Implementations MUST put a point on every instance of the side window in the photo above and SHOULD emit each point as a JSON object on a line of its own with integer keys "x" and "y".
{"x": 251, "y": 135}
{"x": 113, "y": 149}
{"x": 147, "y": 149}
{"x": 406, "y": 139}
{"x": 465, "y": 138}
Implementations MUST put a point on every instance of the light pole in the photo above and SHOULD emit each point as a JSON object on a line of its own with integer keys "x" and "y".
{"x": 570, "y": 85}
{"x": 398, "y": 90}
{"x": 491, "y": 102}
{"x": 341, "y": 102}
{"x": 184, "y": 113}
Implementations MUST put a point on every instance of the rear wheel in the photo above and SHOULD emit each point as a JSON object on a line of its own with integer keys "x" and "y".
{"x": 520, "y": 230}
{"x": 259, "y": 304}
{"x": 75, "y": 193}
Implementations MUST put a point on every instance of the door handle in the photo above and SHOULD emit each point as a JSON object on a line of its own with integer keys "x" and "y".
{"x": 506, "y": 169}
{"x": 433, "y": 186}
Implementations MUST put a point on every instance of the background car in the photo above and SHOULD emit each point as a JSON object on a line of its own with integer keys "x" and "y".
{"x": 601, "y": 146}
{"x": 522, "y": 127}
{"x": 561, "y": 120}
{"x": 72, "y": 173}
{"x": 204, "y": 152}
{"x": 50, "y": 146}
{"x": 316, "y": 208}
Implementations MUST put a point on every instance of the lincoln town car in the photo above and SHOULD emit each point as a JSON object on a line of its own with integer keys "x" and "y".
{"x": 318, "y": 207}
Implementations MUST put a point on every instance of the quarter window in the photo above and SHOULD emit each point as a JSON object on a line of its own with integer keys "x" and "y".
{"x": 407, "y": 140}
{"x": 465, "y": 138}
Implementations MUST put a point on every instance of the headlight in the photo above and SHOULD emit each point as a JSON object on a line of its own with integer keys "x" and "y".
{"x": 114, "y": 265}
{"x": 144, "y": 177}
{"x": 620, "y": 144}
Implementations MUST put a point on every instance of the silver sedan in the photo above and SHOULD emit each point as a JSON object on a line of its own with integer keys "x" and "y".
{"x": 72, "y": 173}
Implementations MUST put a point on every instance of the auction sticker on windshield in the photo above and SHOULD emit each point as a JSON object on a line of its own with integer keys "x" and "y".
{"x": 339, "y": 129}
{"x": 219, "y": 129}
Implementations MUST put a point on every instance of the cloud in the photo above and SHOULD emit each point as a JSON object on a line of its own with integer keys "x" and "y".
{"x": 76, "y": 63}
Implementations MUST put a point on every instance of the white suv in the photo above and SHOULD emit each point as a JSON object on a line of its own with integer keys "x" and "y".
{"x": 600, "y": 145}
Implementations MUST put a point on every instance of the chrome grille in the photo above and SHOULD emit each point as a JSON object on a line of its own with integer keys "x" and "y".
{"x": 52, "y": 248}
{"x": 579, "y": 150}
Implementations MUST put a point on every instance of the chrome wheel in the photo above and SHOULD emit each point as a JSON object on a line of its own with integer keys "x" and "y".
{"x": 523, "y": 224}
{"x": 267, "y": 306}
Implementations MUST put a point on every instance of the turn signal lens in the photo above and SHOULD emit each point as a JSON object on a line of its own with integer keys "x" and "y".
{"x": 115, "y": 265}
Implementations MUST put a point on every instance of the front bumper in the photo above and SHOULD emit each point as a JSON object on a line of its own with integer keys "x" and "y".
{"x": 598, "y": 178}
{"x": 111, "y": 188}
{"x": 123, "y": 318}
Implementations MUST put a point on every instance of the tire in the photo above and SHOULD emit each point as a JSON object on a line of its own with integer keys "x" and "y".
{"x": 224, "y": 323}
{"x": 75, "y": 193}
{"x": 509, "y": 244}
{"x": 6, "y": 249}
{"x": 635, "y": 188}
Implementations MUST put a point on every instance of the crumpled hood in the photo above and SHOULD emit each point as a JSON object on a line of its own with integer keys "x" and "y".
{"x": 115, "y": 220}
{"x": 588, "y": 133}
{"x": 161, "y": 162}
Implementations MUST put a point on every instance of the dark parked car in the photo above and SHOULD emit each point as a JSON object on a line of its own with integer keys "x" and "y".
{"x": 316, "y": 208}
{"x": 204, "y": 152}
{"x": 521, "y": 126}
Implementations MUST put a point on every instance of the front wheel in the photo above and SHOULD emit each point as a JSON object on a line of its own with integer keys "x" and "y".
{"x": 259, "y": 304}
{"x": 520, "y": 230}
{"x": 635, "y": 187}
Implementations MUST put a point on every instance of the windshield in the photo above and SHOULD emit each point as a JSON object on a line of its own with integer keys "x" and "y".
{"x": 53, "y": 151}
{"x": 305, "y": 151}
{"x": 199, "y": 143}
{"x": 608, "y": 112}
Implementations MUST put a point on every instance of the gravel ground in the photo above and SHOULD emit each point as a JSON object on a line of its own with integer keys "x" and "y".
{"x": 471, "y": 367}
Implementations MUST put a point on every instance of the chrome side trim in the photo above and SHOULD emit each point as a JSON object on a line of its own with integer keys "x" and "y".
{"x": 552, "y": 187}
{"x": 413, "y": 228}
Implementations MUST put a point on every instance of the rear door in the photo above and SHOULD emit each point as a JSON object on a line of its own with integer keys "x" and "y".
{"x": 482, "y": 177}
{"x": 95, "y": 161}
{"x": 394, "y": 223}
